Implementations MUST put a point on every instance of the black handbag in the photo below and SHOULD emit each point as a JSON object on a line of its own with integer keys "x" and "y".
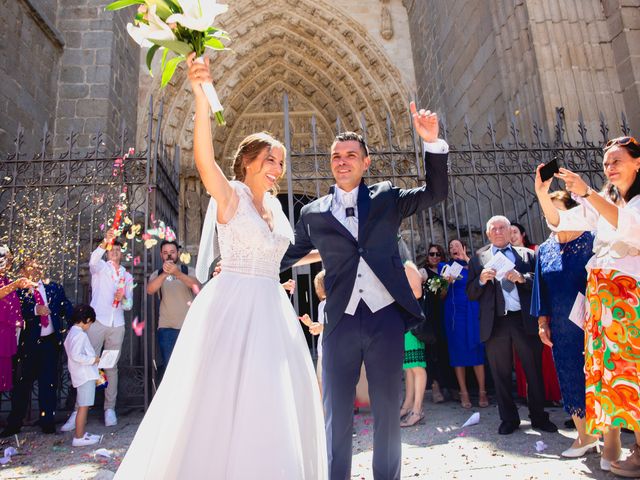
{"x": 424, "y": 331}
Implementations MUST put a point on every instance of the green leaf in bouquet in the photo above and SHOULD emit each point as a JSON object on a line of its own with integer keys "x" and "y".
{"x": 163, "y": 10}
{"x": 175, "y": 7}
{"x": 169, "y": 69}
{"x": 181, "y": 48}
{"x": 120, "y": 4}
{"x": 163, "y": 61}
{"x": 214, "y": 43}
{"x": 150, "y": 54}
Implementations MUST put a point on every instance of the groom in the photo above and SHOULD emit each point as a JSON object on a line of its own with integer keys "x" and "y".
{"x": 369, "y": 301}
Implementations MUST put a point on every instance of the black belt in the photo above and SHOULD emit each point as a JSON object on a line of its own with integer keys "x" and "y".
{"x": 511, "y": 313}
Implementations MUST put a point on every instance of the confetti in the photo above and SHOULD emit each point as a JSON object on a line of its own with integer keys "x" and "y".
{"x": 136, "y": 261}
{"x": 137, "y": 326}
{"x": 150, "y": 243}
{"x": 185, "y": 258}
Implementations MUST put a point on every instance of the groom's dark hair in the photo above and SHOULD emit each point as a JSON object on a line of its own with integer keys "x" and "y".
{"x": 349, "y": 136}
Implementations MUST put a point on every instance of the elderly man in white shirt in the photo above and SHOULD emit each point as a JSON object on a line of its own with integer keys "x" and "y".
{"x": 111, "y": 296}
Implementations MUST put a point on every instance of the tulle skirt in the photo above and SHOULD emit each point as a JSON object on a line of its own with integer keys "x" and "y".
{"x": 239, "y": 399}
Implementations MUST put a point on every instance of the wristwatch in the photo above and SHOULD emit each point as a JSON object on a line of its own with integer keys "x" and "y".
{"x": 587, "y": 193}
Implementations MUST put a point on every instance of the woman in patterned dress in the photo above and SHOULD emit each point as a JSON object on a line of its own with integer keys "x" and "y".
{"x": 612, "y": 326}
{"x": 415, "y": 373}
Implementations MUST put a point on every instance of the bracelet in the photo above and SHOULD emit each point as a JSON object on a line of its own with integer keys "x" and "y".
{"x": 587, "y": 193}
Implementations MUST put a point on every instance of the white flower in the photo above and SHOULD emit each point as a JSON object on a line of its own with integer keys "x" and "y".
{"x": 155, "y": 30}
{"x": 198, "y": 14}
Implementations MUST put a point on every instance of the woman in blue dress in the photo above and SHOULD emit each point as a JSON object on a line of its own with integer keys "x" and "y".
{"x": 462, "y": 324}
{"x": 560, "y": 276}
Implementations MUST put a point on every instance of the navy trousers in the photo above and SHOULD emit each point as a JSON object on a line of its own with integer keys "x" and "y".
{"x": 37, "y": 362}
{"x": 377, "y": 339}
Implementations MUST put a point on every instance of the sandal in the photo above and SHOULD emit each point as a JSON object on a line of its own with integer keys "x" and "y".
{"x": 464, "y": 400}
{"x": 483, "y": 400}
{"x": 404, "y": 412}
{"x": 412, "y": 419}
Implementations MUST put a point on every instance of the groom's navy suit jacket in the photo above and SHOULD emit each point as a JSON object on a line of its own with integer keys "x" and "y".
{"x": 381, "y": 208}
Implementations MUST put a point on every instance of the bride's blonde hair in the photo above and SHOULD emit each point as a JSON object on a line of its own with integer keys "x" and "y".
{"x": 249, "y": 149}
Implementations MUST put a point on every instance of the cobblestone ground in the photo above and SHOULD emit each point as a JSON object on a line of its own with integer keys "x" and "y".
{"x": 440, "y": 448}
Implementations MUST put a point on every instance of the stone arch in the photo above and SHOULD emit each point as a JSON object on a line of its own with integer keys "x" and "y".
{"x": 328, "y": 64}
{"x": 311, "y": 49}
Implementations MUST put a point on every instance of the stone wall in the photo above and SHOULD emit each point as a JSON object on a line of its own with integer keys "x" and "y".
{"x": 99, "y": 74}
{"x": 623, "y": 22}
{"x": 30, "y": 50}
{"x": 521, "y": 60}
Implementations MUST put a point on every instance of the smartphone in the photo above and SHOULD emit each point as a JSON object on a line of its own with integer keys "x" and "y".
{"x": 549, "y": 169}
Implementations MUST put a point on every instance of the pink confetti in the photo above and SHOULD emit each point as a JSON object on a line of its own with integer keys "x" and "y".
{"x": 367, "y": 421}
{"x": 365, "y": 432}
{"x": 136, "y": 261}
{"x": 138, "y": 327}
{"x": 102, "y": 227}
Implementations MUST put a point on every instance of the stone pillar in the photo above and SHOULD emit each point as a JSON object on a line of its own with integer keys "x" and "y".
{"x": 623, "y": 21}
{"x": 98, "y": 88}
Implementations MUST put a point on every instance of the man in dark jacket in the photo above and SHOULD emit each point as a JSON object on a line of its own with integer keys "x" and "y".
{"x": 505, "y": 323}
{"x": 369, "y": 300}
{"x": 44, "y": 310}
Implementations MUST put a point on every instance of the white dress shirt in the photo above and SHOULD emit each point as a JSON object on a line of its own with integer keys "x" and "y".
{"x": 613, "y": 248}
{"x": 81, "y": 357}
{"x": 104, "y": 284}
{"x": 48, "y": 330}
{"x": 511, "y": 298}
{"x": 367, "y": 286}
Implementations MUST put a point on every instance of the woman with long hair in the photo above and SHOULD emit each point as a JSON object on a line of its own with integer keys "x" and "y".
{"x": 612, "y": 343}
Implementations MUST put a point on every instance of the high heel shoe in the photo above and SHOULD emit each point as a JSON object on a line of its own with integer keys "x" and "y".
{"x": 464, "y": 400}
{"x": 483, "y": 400}
{"x": 412, "y": 419}
{"x": 581, "y": 451}
{"x": 605, "y": 465}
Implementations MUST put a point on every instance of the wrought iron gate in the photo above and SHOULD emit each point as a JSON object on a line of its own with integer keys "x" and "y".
{"x": 486, "y": 179}
{"x": 55, "y": 206}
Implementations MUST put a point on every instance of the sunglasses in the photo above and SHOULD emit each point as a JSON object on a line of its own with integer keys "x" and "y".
{"x": 434, "y": 254}
{"x": 622, "y": 141}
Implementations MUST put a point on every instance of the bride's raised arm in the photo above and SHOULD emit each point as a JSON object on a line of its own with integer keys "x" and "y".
{"x": 210, "y": 172}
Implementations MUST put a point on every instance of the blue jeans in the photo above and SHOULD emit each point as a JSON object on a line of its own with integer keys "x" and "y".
{"x": 167, "y": 338}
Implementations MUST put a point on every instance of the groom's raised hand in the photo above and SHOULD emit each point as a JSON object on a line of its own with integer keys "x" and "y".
{"x": 425, "y": 122}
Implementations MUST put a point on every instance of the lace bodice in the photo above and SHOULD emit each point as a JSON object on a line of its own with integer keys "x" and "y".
{"x": 247, "y": 245}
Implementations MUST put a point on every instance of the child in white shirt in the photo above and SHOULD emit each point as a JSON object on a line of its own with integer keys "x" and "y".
{"x": 82, "y": 364}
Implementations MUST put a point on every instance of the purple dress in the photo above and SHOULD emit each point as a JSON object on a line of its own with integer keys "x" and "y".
{"x": 10, "y": 317}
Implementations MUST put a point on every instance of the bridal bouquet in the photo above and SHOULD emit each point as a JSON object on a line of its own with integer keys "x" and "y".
{"x": 437, "y": 285}
{"x": 180, "y": 27}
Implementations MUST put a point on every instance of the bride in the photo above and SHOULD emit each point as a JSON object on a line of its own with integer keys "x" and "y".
{"x": 239, "y": 399}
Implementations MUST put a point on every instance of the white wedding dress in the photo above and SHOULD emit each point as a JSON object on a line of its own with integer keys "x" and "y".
{"x": 239, "y": 399}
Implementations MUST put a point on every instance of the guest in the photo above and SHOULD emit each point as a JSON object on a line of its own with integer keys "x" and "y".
{"x": 318, "y": 284}
{"x": 415, "y": 374}
{"x": 505, "y": 323}
{"x": 10, "y": 317}
{"x": 82, "y": 363}
{"x": 560, "y": 276}
{"x": 519, "y": 238}
{"x": 44, "y": 308}
{"x": 462, "y": 324}
{"x": 437, "y": 354}
{"x": 176, "y": 285}
{"x": 612, "y": 346}
{"x": 111, "y": 295}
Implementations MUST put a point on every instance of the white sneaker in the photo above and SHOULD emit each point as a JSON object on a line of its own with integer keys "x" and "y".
{"x": 88, "y": 439}
{"x": 70, "y": 424}
{"x": 110, "y": 418}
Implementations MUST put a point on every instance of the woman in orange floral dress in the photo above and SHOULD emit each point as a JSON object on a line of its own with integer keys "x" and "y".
{"x": 612, "y": 325}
